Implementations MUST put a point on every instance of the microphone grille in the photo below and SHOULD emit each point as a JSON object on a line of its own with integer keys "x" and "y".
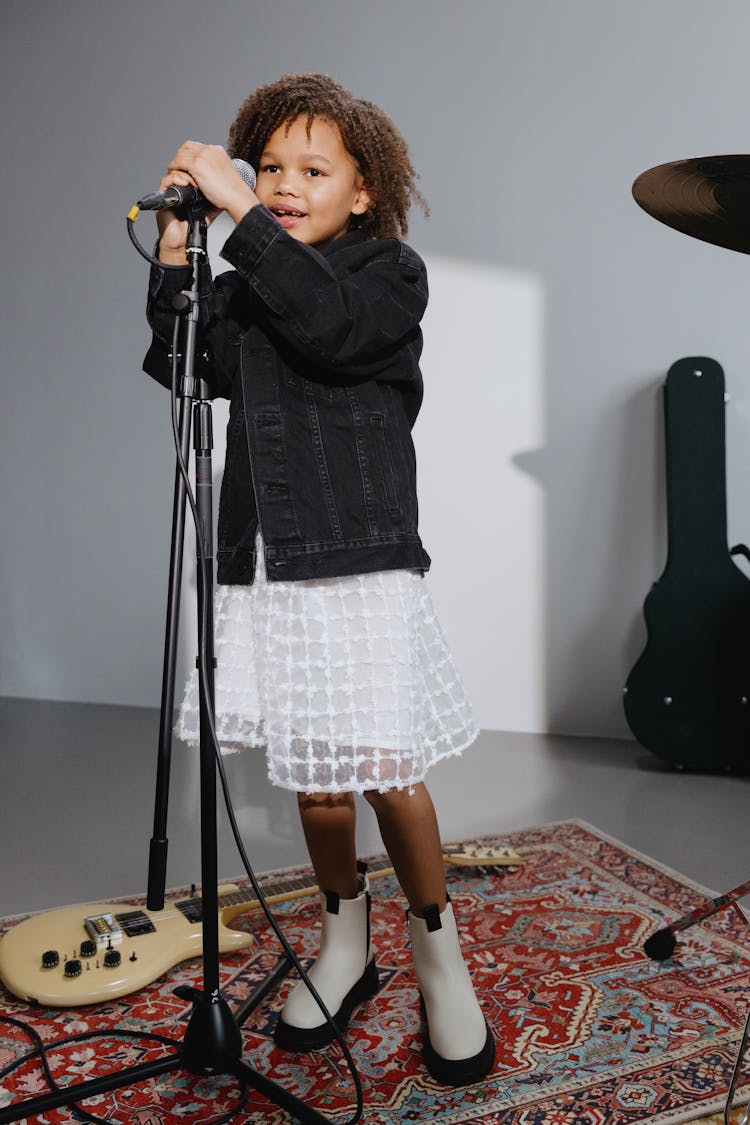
{"x": 247, "y": 172}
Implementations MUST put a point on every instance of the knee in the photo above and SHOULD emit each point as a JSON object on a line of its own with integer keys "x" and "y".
{"x": 389, "y": 803}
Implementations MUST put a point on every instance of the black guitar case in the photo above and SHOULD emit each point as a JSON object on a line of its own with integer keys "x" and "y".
{"x": 687, "y": 698}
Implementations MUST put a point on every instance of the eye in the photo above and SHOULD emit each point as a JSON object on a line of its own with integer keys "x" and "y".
{"x": 269, "y": 168}
{"x": 315, "y": 172}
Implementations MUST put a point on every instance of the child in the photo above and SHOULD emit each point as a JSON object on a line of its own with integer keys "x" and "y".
{"x": 328, "y": 649}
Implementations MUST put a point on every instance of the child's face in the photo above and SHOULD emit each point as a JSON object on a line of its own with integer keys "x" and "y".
{"x": 311, "y": 184}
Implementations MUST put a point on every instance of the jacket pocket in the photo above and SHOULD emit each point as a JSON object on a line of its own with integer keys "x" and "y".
{"x": 381, "y": 445}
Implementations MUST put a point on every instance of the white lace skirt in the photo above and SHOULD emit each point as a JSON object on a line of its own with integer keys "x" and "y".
{"x": 347, "y": 683}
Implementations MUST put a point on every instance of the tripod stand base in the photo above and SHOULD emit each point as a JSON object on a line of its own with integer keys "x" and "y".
{"x": 212, "y": 1046}
{"x": 212, "y": 1043}
{"x": 82, "y": 1090}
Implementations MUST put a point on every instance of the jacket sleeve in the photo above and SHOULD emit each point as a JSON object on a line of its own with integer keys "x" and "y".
{"x": 223, "y": 321}
{"x": 352, "y": 324}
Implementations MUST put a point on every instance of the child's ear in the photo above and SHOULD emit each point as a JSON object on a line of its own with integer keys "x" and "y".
{"x": 362, "y": 201}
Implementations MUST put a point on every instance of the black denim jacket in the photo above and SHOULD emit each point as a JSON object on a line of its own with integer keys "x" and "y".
{"x": 319, "y": 357}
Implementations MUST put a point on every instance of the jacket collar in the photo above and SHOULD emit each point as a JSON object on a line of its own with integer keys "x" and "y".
{"x": 351, "y": 238}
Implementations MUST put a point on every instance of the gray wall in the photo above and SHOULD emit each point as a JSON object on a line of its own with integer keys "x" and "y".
{"x": 529, "y": 122}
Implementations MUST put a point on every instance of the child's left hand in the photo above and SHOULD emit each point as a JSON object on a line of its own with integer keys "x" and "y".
{"x": 209, "y": 168}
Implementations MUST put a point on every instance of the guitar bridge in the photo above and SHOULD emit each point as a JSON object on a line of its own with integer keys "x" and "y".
{"x": 104, "y": 929}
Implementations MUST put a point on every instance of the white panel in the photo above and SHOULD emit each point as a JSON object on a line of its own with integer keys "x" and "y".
{"x": 481, "y": 515}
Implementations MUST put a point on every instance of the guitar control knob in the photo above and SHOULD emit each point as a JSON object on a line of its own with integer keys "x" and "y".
{"x": 73, "y": 968}
{"x": 112, "y": 958}
{"x": 50, "y": 959}
{"x": 88, "y": 948}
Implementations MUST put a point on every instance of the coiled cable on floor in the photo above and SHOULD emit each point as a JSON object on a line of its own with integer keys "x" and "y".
{"x": 42, "y": 1049}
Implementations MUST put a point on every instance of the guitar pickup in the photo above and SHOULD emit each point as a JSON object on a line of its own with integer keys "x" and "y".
{"x": 192, "y": 908}
{"x": 104, "y": 929}
{"x": 135, "y": 923}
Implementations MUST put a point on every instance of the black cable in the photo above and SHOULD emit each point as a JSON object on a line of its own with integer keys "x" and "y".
{"x": 202, "y": 574}
{"x": 42, "y": 1049}
{"x": 130, "y": 219}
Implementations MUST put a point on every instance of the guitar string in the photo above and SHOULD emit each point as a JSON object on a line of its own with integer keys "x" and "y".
{"x": 279, "y": 891}
{"x": 233, "y": 898}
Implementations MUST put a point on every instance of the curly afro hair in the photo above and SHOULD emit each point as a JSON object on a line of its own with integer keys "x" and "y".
{"x": 368, "y": 134}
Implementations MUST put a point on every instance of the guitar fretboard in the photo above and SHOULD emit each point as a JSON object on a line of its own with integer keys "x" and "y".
{"x": 282, "y": 888}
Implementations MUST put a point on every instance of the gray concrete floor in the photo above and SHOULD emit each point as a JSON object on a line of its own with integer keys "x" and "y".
{"x": 77, "y": 787}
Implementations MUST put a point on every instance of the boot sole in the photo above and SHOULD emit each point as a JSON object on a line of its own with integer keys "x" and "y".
{"x": 458, "y": 1072}
{"x": 300, "y": 1039}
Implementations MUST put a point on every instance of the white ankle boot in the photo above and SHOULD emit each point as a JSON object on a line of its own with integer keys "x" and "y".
{"x": 344, "y": 974}
{"x": 459, "y": 1047}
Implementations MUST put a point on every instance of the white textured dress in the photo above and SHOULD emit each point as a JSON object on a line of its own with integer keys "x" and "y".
{"x": 347, "y": 683}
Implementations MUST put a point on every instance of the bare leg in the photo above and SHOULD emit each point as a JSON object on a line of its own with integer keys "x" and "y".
{"x": 458, "y": 1047}
{"x": 328, "y": 821}
{"x": 411, "y": 836}
{"x": 344, "y": 972}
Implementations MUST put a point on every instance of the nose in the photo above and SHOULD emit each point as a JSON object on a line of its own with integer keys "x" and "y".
{"x": 287, "y": 184}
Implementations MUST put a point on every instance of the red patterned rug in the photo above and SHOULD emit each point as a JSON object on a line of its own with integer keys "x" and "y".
{"x": 589, "y": 1030}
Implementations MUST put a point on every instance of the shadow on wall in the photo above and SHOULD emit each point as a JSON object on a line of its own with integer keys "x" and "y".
{"x": 638, "y": 487}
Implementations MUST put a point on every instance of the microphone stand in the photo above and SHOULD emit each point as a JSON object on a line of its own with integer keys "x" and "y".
{"x": 212, "y": 1044}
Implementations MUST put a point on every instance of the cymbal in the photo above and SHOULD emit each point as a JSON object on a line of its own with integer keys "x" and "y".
{"x": 707, "y": 197}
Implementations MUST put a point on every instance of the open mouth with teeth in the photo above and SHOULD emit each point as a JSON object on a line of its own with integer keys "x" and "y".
{"x": 287, "y": 215}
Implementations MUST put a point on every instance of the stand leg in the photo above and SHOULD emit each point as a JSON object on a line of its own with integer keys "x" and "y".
{"x": 82, "y": 1090}
{"x": 32, "y": 1107}
{"x": 157, "y": 863}
{"x": 279, "y": 971}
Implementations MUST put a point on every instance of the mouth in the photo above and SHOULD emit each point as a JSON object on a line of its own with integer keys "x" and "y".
{"x": 287, "y": 216}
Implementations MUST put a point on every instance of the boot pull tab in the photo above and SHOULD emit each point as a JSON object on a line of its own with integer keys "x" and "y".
{"x": 332, "y": 902}
{"x": 432, "y": 918}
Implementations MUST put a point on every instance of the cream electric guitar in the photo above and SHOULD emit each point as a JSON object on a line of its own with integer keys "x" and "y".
{"x": 92, "y": 953}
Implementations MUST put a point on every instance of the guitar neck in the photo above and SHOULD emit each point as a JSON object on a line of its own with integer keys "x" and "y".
{"x": 235, "y": 902}
{"x": 295, "y": 887}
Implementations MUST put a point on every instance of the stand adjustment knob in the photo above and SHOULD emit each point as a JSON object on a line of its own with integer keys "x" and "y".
{"x": 112, "y": 958}
{"x": 73, "y": 968}
{"x": 50, "y": 959}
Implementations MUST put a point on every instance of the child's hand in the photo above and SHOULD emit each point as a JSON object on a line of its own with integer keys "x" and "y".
{"x": 208, "y": 168}
{"x": 211, "y": 170}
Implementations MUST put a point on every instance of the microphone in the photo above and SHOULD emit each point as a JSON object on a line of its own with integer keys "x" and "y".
{"x": 175, "y": 196}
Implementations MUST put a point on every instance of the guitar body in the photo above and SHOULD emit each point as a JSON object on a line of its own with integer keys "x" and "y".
{"x": 99, "y": 951}
{"x": 687, "y": 698}
{"x": 143, "y": 956}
